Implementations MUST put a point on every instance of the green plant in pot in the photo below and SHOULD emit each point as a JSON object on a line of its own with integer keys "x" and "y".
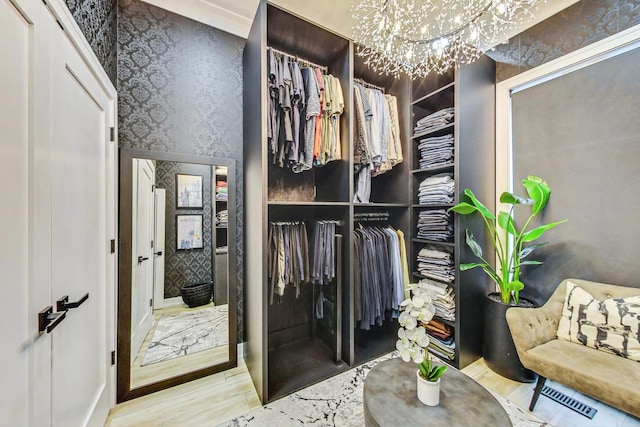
{"x": 511, "y": 247}
{"x": 430, "y": 371}
{"x": 429, "y": 381}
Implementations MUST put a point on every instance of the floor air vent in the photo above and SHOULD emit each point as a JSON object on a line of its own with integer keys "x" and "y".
{"x": 569, "y": 402}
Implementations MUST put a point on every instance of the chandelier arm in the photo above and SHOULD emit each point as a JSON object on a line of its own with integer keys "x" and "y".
{"x": 458, "y": 30}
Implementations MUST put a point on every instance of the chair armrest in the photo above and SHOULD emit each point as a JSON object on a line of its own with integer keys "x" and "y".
{"x": 531, "y": 327}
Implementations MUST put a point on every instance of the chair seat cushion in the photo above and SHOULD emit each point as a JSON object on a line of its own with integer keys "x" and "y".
{"x": 606, "y": 377}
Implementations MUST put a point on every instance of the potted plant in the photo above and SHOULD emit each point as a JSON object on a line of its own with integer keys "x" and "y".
{"x": 429, "y": 381}
{"x": 417, "y": 310}
{"x": 511, "y": 247}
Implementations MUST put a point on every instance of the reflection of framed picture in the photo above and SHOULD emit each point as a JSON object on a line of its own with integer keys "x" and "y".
{"x": 189, "y": 232}
{"x": 188, "y": 191}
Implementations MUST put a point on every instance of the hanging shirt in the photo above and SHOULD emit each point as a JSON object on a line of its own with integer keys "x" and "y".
{"x": 318, "y": 131}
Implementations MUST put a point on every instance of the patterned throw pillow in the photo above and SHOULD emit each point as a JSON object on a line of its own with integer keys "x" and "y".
{"x": 612, "y": 325}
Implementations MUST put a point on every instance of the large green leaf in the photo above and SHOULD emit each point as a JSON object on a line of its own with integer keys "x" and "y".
{"x": 516, "y": 286}
{"x": 478, "y": 204}
{"x": 526, "y": 251}
{"x": 505, "y": 221}
{"x": 532, "y": 235}
{"x": 470, "y": 265}
{"x": 514, "y": 199}
{"x": 475, "y": 247}
{"x": 436, "y": 372}
{"x": 464, "y": 208}
{"x": 529, "y": 263}
{"x": 538, "y": 190}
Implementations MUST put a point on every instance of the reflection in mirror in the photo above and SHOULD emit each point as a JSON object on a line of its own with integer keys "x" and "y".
{"x": 180, "y": 319}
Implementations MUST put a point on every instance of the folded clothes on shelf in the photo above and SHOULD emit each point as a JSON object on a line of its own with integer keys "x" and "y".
{"x": 445, "y": 349}
{"x": 432, "y": 121}
{"x": 437, "y": 190}
{"x": 222, "y": 218}
{"x": 435, "y": 151}
{"x": 444, "y": 299}
{"x": 435, "y": 262}
{"x": 435, "y": 225}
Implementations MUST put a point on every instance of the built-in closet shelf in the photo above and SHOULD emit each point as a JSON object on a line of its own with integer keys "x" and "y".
{"x": 433, "y": 206}
{"x": 434, "y": 242}
{"x": 445, "y": 321}
{"x": 421, "y": 276}
{"x": 433, "y": 94}
{"x": 434, "y": 169}
{"x": 221, "y": 227}
{"x": 436, "y": 131}
{"x": 294, "y": 203}
{"x": 380, "y": 205}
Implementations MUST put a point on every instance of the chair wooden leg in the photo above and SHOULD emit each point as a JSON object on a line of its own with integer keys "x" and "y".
{"x": 536, "y": 392}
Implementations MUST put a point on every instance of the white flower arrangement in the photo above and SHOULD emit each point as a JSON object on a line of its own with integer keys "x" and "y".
{"x": 417, "y": 310}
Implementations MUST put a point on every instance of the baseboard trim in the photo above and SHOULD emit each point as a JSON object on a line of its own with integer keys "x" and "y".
{"x": 168, "y": 302}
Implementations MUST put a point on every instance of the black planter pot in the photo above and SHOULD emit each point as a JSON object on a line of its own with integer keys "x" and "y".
{"x": 498, "y": 349}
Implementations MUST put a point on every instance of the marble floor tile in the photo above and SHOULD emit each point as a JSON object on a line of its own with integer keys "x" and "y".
{"x": 338, "y": 402}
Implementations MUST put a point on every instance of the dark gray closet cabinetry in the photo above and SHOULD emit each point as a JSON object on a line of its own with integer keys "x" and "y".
{"x": 287, "y": 347}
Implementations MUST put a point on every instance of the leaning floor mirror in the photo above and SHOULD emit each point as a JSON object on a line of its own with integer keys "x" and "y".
{"x": 177, "y": 317}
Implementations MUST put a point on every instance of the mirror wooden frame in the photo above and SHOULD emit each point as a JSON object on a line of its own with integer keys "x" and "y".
{"x": 123, "y": 367}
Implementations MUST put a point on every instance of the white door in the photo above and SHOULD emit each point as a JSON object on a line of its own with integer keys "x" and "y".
{"x": 80, "y": 149}
{"x": 23, "y": 350}
{"x": 158, "y": 259}
{"x": 142, "y": 253}
{"x": 56, "y": 220}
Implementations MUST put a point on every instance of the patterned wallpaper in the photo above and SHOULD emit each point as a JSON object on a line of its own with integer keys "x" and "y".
{"x": 580, "y": 25}
{"x": 185, "y": 267}
{"x": 98, "y": 21}
{"x": 180, "y": 90}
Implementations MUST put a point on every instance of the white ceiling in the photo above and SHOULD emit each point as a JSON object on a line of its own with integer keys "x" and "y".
{"x": 236, "y": 16}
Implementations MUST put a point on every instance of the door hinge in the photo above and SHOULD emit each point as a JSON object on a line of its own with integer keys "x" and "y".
{"x": 112, "y": 134}
{"x": 152, "y": 244}
{"x": 113, "y": 246}
{"x": 151, "y": 302}
{"x": 113, "y": 358}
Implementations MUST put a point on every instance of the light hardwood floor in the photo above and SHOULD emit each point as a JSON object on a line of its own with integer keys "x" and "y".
{"x": 227, "y": 395}
{"x": 204, "y": 402}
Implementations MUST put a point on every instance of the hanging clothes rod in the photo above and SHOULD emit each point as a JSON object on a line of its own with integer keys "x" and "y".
{"x": 371, "y": 216}
{"x": 368, "y": 85}
{"x": 339, "y": 223}
{"x": 299, "y": 60}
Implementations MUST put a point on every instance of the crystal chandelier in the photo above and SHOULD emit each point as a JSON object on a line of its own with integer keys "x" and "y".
{"x": 418, "y": 36}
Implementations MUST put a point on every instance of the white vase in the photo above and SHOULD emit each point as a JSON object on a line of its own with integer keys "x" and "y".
{"x": 428, "y": 391}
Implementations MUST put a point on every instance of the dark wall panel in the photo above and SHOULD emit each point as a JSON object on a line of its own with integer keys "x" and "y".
{"x": 97, "y": 20}
{"x": 580, "y": 25}
{"x": 581, "y": 133}
{"x": 180, "y": 90}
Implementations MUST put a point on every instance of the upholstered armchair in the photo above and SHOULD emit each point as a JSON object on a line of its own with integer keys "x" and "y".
{"x": 609, "y": 378}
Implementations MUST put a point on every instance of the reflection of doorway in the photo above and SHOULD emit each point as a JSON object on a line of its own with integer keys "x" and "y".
{"x": 142, "y": 253}
{"x": 159, "y": 256}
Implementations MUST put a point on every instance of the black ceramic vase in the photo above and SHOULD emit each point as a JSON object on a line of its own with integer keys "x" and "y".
{"x": 498, "y": 349}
